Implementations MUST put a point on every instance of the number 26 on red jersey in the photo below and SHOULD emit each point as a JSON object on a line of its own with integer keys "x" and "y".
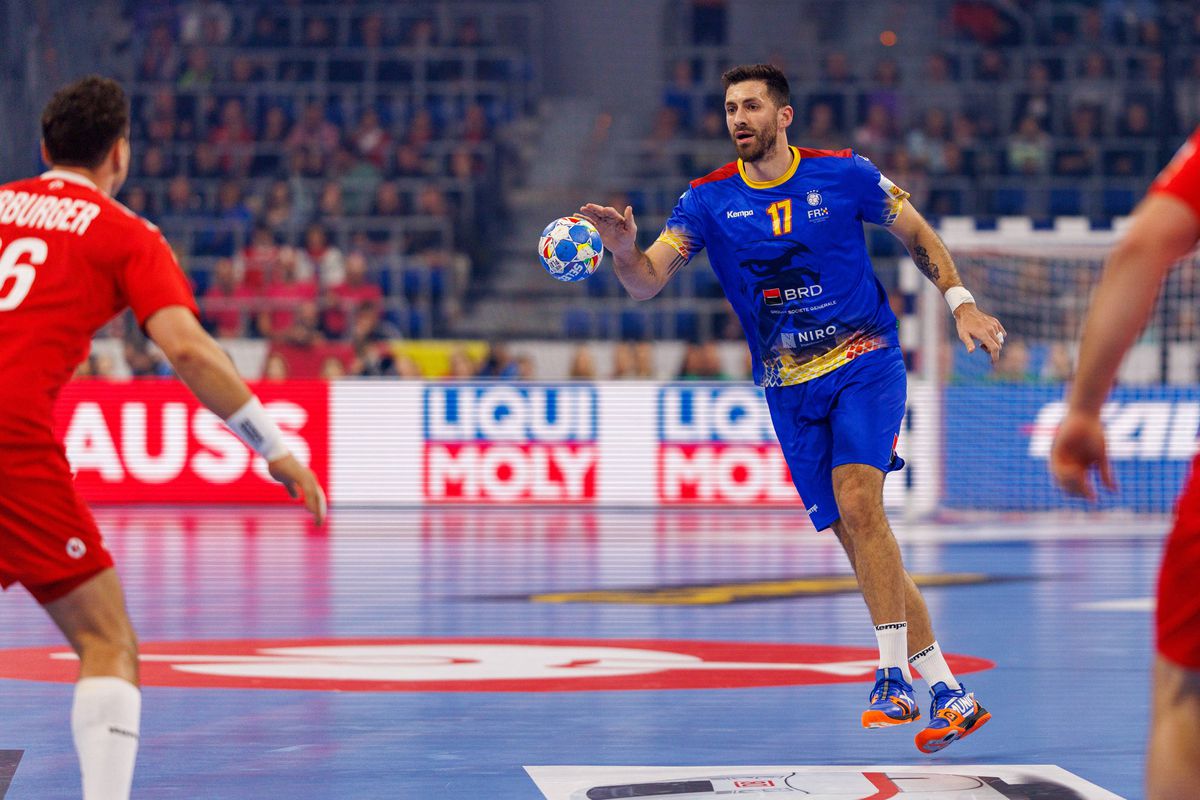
{"x": 17, "y": 262}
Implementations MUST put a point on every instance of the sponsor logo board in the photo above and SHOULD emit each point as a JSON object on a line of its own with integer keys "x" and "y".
{"x": 506, "y": 444}
{"x": 152, "y": 441}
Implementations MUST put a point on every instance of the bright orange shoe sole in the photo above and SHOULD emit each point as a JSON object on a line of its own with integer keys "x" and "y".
{"x": 931, "y": 740}
{"x": 878, "y": 719}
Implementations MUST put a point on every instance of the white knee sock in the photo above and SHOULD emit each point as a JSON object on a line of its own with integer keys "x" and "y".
{"x": 106, "y": 720}
{"x": 933, "y": 667}
{"x": 893, "y": 647}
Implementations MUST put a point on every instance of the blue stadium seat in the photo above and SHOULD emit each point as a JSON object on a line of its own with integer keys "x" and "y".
{"x": 397, "y": 318}
{"x": 395, "y": 71}
{"x": 347, "y": 70}
{"x": 437, "y": 285}
{"x": 577, "y": 323}
{"x": 416, "y": 323}
{"x": 384, "y": 279}
{"x": 632, "y": 325}
{"x": 687, "y": 325}
{"x": 601, "y": 284}
{"x": 1065, "y": 203}
{"x": 413, "y": 282}
{"x": 201, "y": 279}
{"x": 704, "y": 282}
{"x": 1118, "y": 202}
{"x": 1007, "y": 202}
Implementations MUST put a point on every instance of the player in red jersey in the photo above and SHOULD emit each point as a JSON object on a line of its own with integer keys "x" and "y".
{"x": 70, "y": 259}
{"x": 1166, "y": 226}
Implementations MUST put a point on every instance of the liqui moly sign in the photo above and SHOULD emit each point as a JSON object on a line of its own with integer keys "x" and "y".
{"x": 488, "y": 443}
{"x": 716, "y": 445}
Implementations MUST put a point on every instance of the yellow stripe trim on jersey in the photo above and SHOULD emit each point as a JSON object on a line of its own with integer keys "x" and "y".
{"x": 676, "y": 242}
{"x": 784, "y": 178}
{"x": 784, "y": 371}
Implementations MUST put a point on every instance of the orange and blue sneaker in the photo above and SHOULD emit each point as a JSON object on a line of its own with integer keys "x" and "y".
{"x": 892, "y": 700}
{"x": 954, "y": 714}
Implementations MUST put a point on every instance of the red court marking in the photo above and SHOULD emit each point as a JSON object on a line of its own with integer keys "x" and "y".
{"x": 475, "y": 664}
{"x": 883, "y": 783}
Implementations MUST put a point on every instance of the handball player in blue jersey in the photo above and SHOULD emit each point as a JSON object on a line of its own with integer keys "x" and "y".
{"x": 783, "y": 229}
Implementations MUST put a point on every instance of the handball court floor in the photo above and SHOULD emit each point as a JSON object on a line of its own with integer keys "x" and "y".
{"x": 438, "y": 653}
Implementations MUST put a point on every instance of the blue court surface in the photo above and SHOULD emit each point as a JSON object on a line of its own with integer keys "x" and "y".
{"x": 439, "y": 653}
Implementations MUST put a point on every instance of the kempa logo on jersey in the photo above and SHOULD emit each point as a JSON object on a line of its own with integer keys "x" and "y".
{"x": 717, "y": 445}
{"x": 1149, "y": 430}
{"x": 739, "y": 214}
{"x": 777, "y": 297}
{"x": 509, "y": 443}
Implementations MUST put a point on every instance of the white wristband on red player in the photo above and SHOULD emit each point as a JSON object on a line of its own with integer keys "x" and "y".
{"x": 255, "y": 427}
{"x": 956, "y": 296}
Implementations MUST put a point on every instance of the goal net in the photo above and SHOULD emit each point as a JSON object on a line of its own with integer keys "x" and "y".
{"x": 997, "y": 423}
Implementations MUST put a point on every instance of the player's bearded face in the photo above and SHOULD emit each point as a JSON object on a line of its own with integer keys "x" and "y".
{"x": 760, "y": 144}
{"x": 753, "y": 120}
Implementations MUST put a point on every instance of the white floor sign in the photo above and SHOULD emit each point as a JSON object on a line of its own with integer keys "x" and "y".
{"x": 957, "y": 782}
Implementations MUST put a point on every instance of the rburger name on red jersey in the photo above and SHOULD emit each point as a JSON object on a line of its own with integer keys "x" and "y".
{"x": 47, "y": 212}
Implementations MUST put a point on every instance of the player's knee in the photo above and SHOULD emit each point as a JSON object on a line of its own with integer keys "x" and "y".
{"x": 860, "y": 514}
{"x": 112, "y": 651}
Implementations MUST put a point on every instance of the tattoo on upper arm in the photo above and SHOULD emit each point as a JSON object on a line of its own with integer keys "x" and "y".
{"x": 925, "y": 263}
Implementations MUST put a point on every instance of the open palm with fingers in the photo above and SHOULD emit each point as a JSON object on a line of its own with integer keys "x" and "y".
{"x": 618, "y": 231}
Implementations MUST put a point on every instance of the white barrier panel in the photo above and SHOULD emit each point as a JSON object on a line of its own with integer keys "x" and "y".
{"x": 635, "y": 444}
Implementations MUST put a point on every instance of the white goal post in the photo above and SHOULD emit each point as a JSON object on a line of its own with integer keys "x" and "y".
{"x": 985, "y": 432}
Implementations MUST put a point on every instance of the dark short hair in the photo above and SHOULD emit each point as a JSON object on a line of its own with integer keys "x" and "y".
{"x": 777, "y": 82}
{"x": 83, "y": 120}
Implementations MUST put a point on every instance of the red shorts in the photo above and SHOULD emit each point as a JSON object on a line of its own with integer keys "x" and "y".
{"x": 1177, "y": 620}
{"x": 49, "y": 541}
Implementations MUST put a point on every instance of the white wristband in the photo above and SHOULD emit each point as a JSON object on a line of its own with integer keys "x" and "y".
{"x": 956, "y": 296}
{"x": 260, "y": 433}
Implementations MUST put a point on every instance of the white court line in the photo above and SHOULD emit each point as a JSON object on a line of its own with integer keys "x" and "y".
{"x": 1128, "y": 604}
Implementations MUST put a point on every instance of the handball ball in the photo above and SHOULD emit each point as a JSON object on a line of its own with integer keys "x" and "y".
{"x": 570, "y": 248}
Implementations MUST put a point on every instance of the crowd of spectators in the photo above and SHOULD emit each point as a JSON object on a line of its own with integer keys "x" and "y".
{"x": 321, "y": 171}
{"x": 312, "y": 193}
{"x": 1036, "y": 97}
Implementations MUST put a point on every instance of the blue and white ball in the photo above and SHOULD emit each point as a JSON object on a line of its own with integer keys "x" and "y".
{"x": 570, "y": 248}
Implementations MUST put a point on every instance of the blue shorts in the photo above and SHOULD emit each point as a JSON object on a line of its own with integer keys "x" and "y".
{"x": 850, "y": 416}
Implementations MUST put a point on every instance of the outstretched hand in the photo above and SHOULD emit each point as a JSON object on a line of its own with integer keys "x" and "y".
{"x": 974, "y": 325}
{"x": 618, "y": 231}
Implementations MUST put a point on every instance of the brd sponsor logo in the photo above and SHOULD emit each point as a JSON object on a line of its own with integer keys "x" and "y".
{"x": 716, "y": 445}
{"x": 496, "y": 444}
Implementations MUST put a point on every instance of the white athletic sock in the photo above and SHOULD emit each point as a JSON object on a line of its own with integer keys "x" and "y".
{"x": 106, "y": 720}
{"x": 893, "y": 647}
{"x": 933, "y": 667}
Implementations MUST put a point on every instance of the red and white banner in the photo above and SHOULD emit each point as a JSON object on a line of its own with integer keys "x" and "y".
{"x": 150, "y": 441}
{"x": 500, "y": 443}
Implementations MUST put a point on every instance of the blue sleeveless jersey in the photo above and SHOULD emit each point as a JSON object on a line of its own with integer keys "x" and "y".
{"x": 791, "y": 256}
